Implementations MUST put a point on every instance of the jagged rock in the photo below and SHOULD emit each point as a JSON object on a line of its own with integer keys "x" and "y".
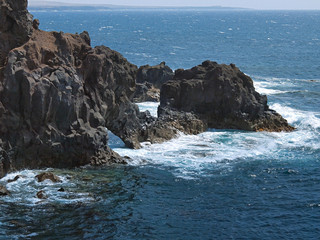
{"x": 222, "y": 97}
{"x": 15, "y": 28}
{"x": 42, "y": 195}
{"x": 4, "y": 191}
{"x": 57, "y": 95}
{"x": 146, "y": 92}
{"x": 149, "y": 81}
{"x": 48, "y": 176}
{"x": 156, "y": 75}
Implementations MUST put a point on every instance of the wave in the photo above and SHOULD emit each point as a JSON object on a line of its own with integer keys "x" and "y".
{"x": 191, "y": 156}
{"x": 24, "y": 190}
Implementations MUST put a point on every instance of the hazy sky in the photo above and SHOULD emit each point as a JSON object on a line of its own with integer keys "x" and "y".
{"x": 256, "y": 4}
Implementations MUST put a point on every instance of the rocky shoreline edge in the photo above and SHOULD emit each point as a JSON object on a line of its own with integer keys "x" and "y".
{"x": 58, "y": 95}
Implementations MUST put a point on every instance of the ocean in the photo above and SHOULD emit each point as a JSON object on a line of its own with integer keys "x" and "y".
{"x": 221, "y": 184}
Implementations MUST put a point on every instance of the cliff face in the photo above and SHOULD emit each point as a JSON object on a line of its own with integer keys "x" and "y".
{"x": 57, "y": 96}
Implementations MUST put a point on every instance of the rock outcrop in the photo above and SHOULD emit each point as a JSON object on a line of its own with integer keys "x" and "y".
{"x": 15, "y": 28}
{"x": 222, "y": 97}
{"x": 150, "y": 80}
{"x": 146, "y": 92}
{"x": 48, "y": 176}
{"x": 57, "y": 96}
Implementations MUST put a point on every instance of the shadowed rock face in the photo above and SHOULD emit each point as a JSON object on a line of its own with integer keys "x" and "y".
{"x": 156, "y": 75}
{"x": 149, "y": 81}
{"x": 223, "y": 97}
{"x": 16, "y": 26}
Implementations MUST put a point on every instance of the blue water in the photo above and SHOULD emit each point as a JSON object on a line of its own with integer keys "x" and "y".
{"x": 221, "y": 184}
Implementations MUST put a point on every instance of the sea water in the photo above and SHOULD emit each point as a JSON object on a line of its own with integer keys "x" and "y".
{"x": 221, "y": 184}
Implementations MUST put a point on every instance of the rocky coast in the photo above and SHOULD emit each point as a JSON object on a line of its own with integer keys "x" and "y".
{"x": 58, "y": 95}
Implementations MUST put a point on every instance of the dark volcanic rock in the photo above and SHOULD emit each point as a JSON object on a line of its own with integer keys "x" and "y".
{"x": 4, "y": 191}
{"x": 149, "y": 81}
{"x": 156, "y": 75}
{"x": 15, "y": 28}
{"x": 48, "y": 176}
{"x": 57, "y": 95}
{"x": 222, "y": 97}
{"x": 14, "y": 179}
{"x": 146, "y": 92}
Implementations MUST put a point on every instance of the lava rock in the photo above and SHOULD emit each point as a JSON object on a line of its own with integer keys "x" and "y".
{"x": 48, "y": 176}
{"x": 222, "y": 97}
{"x": 146, "y": 92}
{"x": 4, "y": 191}
{"x": 57, "y": 96}
{"x": 61, "y": 190}
{"x": 42, "y": 195}
{"x": 16, "y": 26}
{"x": 156, "y": 75}
{"x": 14, "y": 179}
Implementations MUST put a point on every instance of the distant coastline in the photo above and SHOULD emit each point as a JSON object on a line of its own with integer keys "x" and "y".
{"x": 66, "y": 6}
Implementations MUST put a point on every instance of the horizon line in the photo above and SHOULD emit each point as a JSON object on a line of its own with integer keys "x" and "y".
{"x": 52, "y": 4}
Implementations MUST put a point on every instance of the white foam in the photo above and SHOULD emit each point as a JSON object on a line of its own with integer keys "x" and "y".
{"x": 302, "y": 119}
{"x": 193, "y": 155}
{"x": 24, "y": 190}
{"x": 261, "y": 88}
{"x": 152, "y": 107}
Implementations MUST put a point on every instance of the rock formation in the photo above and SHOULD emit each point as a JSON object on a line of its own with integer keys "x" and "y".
{"x": 15, "y": 28}
{"x": 57, "y": 95}
{"x": 222, "y": 97}
{"x": 146, "y": 92}
{"x": 4, "y": 191}
{"x": 150, "y": 80}
{"x": 47, "y": 176}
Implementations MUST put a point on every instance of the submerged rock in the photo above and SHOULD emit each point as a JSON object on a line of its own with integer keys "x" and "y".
{"x": 4, "y": 191}
{"x": 14, "y": 179}
{"x": 42, "y": 195}
{"x": 48, "y": 176}
{"x": 222, "y": 97}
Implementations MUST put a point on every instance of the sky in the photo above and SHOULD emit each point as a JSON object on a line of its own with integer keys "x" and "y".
{"x": 255, "y": 4}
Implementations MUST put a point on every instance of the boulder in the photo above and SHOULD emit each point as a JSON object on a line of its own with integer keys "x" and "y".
{"x": 42, "y": 195}
{"x": 4, "y": 191}
{"x": 48, "y": 176}
{"x": 222, "y": 97}
{"x": 14, "y": 179}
